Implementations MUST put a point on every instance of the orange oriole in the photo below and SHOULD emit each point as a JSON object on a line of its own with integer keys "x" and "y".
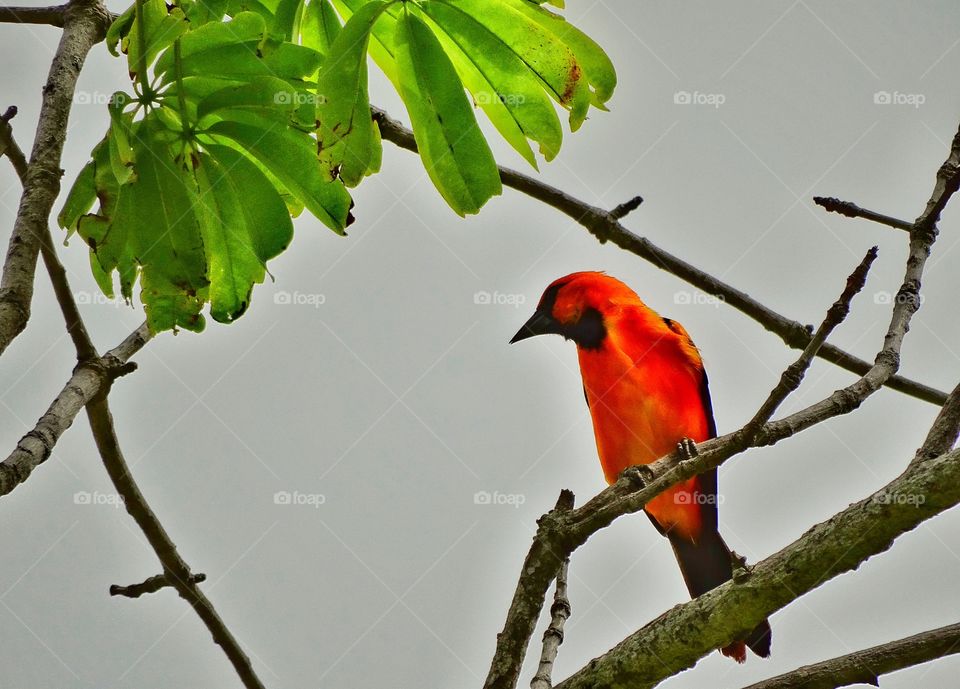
{"x": 647, "y": 390}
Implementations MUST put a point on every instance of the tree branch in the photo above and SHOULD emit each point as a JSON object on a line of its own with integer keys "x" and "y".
{"x": 687, "y": 632}
{"x": 151, "y": 585}
{"x": 53, "y": 16}
{"x": 175, "y": 569}
{"x": 553, "y": 635}
{"x": 866, "y": 666}
{"x": 89, "y": 378}
{"x": 605, "y": 227}
{"x": 58, "y": 274}
{"x": 852, "y": 210}
{"x": 85, "y": 23}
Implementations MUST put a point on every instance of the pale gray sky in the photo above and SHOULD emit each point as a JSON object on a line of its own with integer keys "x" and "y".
{"x": 397, "y": 398}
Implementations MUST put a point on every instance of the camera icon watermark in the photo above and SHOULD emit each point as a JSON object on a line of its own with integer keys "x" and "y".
{"x": 697, "y": 498}
{"x": 298, "y": 98}
{"x": 490, "y": 97}
{"x": 714, "y": 100}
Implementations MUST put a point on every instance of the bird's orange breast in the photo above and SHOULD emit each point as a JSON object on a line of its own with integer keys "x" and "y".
{"x": 641, "y": 408}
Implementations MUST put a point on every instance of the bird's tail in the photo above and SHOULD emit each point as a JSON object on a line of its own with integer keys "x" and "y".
{"x": 705, "y": 565}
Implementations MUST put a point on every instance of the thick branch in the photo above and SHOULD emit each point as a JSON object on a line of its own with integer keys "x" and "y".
{"x": 175, "y": 568}
{"x": 33, "y": 15}
{"x": 605, "y": 228}
{"x": 89, "y": 378}
{"x": 687, "y": 632}
{"x": 866, "y": 666}
{"x": 85, "y": 23}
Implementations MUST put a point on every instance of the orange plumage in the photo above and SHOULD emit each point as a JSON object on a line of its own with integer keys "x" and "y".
{"x": 647, "y": 390}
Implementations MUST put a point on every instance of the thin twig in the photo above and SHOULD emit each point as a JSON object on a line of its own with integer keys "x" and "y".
{"x": 866, "y": 666}
{"x": 605, "y": 228}
{"x": 792, "y": 377}
{"x": 175, "y": 568}
{"x": 33, "y": 15}
{"x": 852, "y": 210}
{"x": 88, "y": 379}
{"x": 151, "y": 585}
{"x": 944, "y": 431}
{"x": 553, "y": 635}
{"x": 85, "y": 24}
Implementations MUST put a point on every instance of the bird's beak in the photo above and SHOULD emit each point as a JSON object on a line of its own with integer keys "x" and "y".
{"x": 540, "y": 323}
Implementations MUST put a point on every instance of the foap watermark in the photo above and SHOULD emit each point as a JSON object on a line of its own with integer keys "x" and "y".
{"x": 298, "y": 499}
{"x": 97, "y": 498}
{"x": 887, "y": 298}
{"x": 897, "y": 98}
{"x": 298, "y": 98}
{"x": 685, "y": 298}
{"x": 490, "y": 97}
{"x": 98, "y": 298}
{"x": 697, "y": 498}
{"x": 915, "y": 499}
{"x": 485, "y": 497}
{"x": 714, "y": 100}
{"x": 300, "y": 299}
{"x": 484, "y": 298}
{"x": 99, "y": 98}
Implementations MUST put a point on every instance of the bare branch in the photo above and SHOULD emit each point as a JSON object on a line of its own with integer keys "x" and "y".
{"x": 605, "y": 228}
{"x": 175, "y": 568}
{"x": 852, "y": 210}
{"x": 34, "y": 15}
{"x": 866, "y": 666}
{"x": 559, "y": 534}
{"x": 553, "y": 635}
{"x": 89, "y": 378}
{"x": 792, "y": 377}
{"x": 945, "y": 430}
{"x": 56, "y": 271}
{"x": 151, "y": 585}
{"x": 687, "y": 632}
{"x": 85, "y": 23}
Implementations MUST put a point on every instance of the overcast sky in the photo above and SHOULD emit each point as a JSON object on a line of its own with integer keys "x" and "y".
{"x": 368, "y": 385}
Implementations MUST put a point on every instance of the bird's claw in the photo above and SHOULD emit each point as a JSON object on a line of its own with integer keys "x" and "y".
{"x": 687, "y": 449}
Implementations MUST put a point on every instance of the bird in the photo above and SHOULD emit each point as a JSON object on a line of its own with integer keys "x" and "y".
{"x": 647, "y": 391}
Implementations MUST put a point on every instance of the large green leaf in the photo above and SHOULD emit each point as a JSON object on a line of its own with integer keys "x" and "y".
{"x": 291, "y": 156}
{"x": 319, "y": 26}
{"x": 346, "y": 135}
{"x": 243, "y": 224}
{"x": 161, "y": 26}
{"x": 501, "y": 83}
{"x": 454, "y": 151}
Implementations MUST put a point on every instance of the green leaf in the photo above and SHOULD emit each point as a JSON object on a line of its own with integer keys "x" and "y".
{"x": 161, "y": 27}
{"x": 218, "y": 48}
{"x": 542, "y": 51}
{"x": 453, "y": 149}
{"x": 200, "y": 12}
{"x": 119, "y": 30}
{"x": 234, "y": 265}
{"x": 267, "y": 97}
{"x": 381, "y": 40}
{"x": 599, "y": 69}
{"x": 121, "y": 152}
{"x": 511, "y": 95}
{"x": 320, "y": 26}
{"x": 290, "y": 156}
{"x": 81, "y": 197}
{"x": 346, "y": 134}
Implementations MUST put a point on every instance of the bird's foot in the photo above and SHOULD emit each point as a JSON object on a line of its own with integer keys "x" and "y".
{"x": 687, "y": 449}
